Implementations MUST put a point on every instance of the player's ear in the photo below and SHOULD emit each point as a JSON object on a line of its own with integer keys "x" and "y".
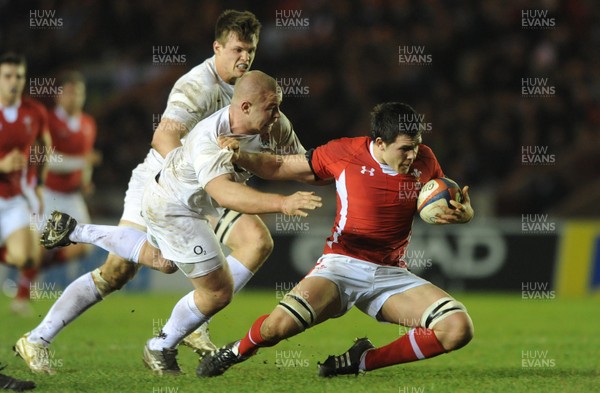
{"x": 216, "y": 46}
{"x": 245, "y": 106}
{"x": 379, "y": 143}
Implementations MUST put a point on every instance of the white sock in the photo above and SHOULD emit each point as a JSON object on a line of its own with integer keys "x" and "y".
{"x": 184, "y": 319}
{"x": 125, "y": 242}
{"x": 241, "y": 274}
{"x": 80, "y": 295}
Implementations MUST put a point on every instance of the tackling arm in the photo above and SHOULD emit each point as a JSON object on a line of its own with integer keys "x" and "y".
{"x": 244, "y": 199}
{"x": 277, "y": 167}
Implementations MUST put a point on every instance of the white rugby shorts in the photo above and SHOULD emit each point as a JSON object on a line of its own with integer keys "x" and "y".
{"x": 142, "y": 175}
{"x": 14, "y": 215}
{"x": 183, "y": 236}
{"x": 364, "y": 284}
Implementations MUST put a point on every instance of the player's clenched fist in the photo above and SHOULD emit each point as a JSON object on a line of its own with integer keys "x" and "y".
{"x": 302, "y": 200}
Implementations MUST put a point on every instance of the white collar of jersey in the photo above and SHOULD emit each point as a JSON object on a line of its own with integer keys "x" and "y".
{"x": 11, "y": 113}
{"x": 385, "y": 168}
{"x": 73, "y": 122}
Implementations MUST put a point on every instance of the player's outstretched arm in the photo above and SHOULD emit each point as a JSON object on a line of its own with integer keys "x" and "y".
{"x": 270, "y": 166}
{"x": 462, "y": 212}
{"x": 244, "y": 199}
{"x": 167, "y": 136}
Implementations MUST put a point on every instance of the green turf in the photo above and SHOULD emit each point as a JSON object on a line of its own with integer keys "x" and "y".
{"x": 101, "y": 352}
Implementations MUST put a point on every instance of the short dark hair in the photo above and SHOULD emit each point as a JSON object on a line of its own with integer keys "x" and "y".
{"x": 70, "y": 76}
{"x": 390, "y": 119}
{"x": 243, "y": 23}
{"x": 13, "y": 58}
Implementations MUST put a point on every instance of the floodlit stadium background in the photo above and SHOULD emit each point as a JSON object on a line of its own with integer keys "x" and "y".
{"x": 509, "y": 93}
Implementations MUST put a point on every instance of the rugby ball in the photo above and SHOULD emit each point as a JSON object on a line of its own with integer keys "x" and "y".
{"x": 435, "y": 195}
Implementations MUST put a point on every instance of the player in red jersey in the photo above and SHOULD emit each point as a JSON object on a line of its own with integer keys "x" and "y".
{"x": 24, "y": 141}
{"x": 70, "y": 163}
{"x": 363, "y": 261}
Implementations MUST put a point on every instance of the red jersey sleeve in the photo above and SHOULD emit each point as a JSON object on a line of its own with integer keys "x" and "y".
{"x": 329, "y": 160}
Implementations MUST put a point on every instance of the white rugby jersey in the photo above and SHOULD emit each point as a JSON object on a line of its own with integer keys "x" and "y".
{"x": 195, "y": 96}
{"x": 188, "y": 169}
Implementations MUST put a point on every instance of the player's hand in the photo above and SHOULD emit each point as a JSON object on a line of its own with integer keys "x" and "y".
{"x": 232, "y": 144}
{"x": 462, "y": 212}
{"x": 293, "y": 205}
{"x": 15, "y": 160}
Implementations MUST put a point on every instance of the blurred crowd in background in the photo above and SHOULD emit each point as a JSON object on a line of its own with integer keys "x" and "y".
{"x": 345, "y": 56}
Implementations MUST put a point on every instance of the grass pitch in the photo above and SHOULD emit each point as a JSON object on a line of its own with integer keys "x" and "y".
{"x": 520, "y": 345}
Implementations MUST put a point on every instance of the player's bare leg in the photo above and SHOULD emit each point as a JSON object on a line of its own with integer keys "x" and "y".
{"x": 250, "y": 243}
{"x": 312, "y": 301}
{"x": 439, "y": 324}
{"x": 212, "y": 292}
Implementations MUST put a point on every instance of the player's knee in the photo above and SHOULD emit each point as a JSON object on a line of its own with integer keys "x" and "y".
{"x": 277, "y": 327}
{"x": 450, "y": 321}
{"x": 211, "y": 302}
{"x": 456, "y": 331}
{"x": 256, "y": 242}
{"x": 117, "y": 272}
{"x": 263, "y": 244}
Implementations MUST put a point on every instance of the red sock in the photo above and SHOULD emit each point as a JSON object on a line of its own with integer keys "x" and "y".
{"x": 417, "y": 344}
{"x": 253, "y": 340}
{"x": 2, "y": 254}
{"x": 26, "y": 277}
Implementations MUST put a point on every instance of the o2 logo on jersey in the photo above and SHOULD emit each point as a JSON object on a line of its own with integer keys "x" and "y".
{"x": 198, "y": 250}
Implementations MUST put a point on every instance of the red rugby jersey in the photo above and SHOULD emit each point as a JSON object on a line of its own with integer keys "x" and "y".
{"x": 75, "y": 140}
{"x": 21, "y": 133}
{"x": 375, "y": 204}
